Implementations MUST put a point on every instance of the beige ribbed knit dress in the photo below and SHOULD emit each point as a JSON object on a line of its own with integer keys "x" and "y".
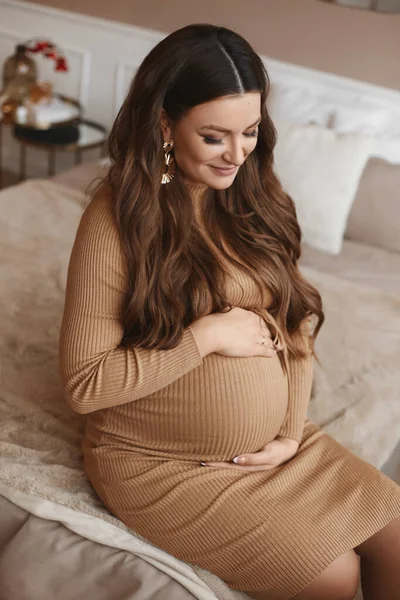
{"x": 154, "y": 415}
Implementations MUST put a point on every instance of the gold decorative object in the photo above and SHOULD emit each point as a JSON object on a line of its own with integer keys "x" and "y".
{"x": 19, "y": 73}
{"x": 41, "y": 92}
{"x": 19, "y": 76}
{"x": 8, "y": 108}
{"x": 169, "y": 162}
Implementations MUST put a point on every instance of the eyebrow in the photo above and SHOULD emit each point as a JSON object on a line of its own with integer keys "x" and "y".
{"x": 216, "y": 128}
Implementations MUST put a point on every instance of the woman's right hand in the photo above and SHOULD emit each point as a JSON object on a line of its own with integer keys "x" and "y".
{"x": 238, "y": 332}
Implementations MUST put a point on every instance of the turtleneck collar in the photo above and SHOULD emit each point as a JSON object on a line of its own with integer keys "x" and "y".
{"x": 196, "y": 190}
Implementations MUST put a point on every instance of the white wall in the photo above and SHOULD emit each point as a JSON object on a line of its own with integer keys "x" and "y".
{"x": 354, "y": 43}
{"x": 103, "y": 56}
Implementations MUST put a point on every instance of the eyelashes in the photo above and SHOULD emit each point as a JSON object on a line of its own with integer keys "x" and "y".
{"x": 215, "y": 141}
{"x": 212, "y": 141}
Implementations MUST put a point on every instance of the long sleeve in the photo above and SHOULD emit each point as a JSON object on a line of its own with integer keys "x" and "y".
{"x": 300, "y": 377}
{"x": 96, "y": 371}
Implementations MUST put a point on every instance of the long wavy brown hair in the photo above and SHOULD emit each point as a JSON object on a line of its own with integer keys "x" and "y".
{"x": 175, "y": 278}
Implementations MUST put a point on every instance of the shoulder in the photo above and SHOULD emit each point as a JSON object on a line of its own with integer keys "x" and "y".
{"x": 99, "y": 212}
{"x": 98, "y": 235}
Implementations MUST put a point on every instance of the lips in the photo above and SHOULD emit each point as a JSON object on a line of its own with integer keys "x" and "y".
{"x": 223, "y": 168}
{"x": 224, "y": 171}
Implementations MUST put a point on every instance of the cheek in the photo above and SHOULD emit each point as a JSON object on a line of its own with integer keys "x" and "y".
{"x": 204, "y": 153}
{"x": 196, "y": 152}
{"x": 250, "y": 147}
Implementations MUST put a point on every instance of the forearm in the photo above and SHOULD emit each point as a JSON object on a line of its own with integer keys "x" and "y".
{"x": 300, "y": 378}
{"x": 122, "y": 374}
{"x": 300, "y": 383}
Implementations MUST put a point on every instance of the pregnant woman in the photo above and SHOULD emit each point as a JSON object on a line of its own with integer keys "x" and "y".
{"x": 188, "y": 337}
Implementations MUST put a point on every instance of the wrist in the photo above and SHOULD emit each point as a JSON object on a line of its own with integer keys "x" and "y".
{"x": 202, "y": 332}
{"x": 288, "y": 441}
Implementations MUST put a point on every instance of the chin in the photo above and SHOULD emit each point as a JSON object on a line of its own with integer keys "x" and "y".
{"x": 221, "y": 186}
{"x": 222, "y": 183}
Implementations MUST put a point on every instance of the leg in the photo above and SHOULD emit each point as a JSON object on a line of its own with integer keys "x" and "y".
{"x": 52, "y": 161}
{"x": 339, "y": 581}
{"x": 22, "y": 161}
{"x": 380, "y": 563}
{"x": 1, "y": 153}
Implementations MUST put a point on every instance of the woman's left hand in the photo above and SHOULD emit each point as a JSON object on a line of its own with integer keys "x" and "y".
{"x": 270, "y": 456}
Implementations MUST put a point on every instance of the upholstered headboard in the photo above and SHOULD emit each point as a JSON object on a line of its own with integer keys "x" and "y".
{"x": 301, "y": 95}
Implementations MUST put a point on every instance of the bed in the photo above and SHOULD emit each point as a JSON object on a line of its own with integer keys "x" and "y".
{"x": 56, "y": 538}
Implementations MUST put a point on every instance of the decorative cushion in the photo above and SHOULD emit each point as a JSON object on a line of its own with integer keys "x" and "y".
{"x": 375, "y": 215}
{"x": 321, "y": 169}
{"x": 360, "y": 119}
{"x": 297, "y": 105}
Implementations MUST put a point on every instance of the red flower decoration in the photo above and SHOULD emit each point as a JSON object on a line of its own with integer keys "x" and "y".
{"x": 49, "y": 51}
{"x": 61, "y": 64}
{"x": 36, "y": 48}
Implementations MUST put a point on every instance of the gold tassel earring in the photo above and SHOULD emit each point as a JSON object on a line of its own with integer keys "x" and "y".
{"x": 169, "y": 162}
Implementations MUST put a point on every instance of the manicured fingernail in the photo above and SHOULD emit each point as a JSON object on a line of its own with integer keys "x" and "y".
{"x": 239, "y": 460}
{"x": 203, "y": 464}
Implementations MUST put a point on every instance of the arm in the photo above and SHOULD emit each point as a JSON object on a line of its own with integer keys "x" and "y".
{"x": 300, "y": 377}
{"x": 96, "y": 371}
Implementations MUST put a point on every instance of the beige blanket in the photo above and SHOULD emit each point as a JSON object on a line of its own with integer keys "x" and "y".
{"x": 355, "y": 394}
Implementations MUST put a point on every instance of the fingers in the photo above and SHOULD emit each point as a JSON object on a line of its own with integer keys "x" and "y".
{"x": 265, "y": 459}
{"x": 228, "y": 465}
{"x": 266, "y": 340}
{"x": 272, "y": 455}
{"x": 266, "y": 456}
{"x": 269, "y": 352}
{"x": 269, "y": 343}
{"x": 264, "y": 350}
{"x": 265, "y": 331}
{"x": 267, "y": 348}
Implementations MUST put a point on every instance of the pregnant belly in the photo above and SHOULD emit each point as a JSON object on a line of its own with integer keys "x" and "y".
{"x": 225, "y": 407}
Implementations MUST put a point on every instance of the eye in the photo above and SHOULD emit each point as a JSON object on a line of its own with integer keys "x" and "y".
{"x": 210, "y": 140}
{"x": 253, "y": 134}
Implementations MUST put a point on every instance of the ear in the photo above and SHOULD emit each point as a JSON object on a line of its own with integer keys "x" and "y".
{"x": 165, "y": 123}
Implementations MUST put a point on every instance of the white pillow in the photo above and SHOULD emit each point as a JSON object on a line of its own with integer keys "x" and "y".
{"x": 359, "y": 118}
{"x": 321, "y": 169}
{"x": 297, "y": 105}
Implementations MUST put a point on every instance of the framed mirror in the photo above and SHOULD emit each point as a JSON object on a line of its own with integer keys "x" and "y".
{"x": 384, "y": 6}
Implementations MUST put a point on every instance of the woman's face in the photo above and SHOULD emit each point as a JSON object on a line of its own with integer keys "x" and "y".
{"x": 214, "y": 139}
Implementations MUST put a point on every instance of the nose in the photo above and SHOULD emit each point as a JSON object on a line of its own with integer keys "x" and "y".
{"x": 234, "y": 154}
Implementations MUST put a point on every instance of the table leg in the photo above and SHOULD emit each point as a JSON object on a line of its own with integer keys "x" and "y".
{"x": 22, "y": 162}
{"x": 52, "y": 161}
{"x": 1, "y": 155}
{"x": 78, "y": 156}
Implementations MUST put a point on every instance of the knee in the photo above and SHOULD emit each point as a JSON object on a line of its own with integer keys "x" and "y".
{"x": 381, "y": 543}
{"x": 347, "y": 570}
{"x": 339, "y": 581}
